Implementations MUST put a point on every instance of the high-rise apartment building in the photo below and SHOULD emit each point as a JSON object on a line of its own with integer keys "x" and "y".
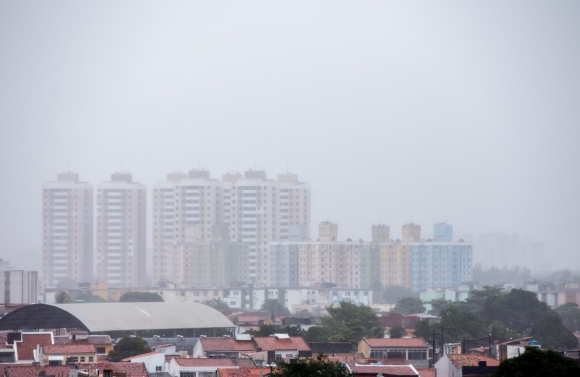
{"x": 67, "y": 222}
{"x": 255, "y": 209}
{"x": 17, "y": 286}
{"x": 121, "y": 232}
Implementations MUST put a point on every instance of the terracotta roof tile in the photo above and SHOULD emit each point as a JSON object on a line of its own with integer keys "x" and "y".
{"x": 29, "y": 370}
{"x": 243, "y": 372}
{"x": 203, "y": 362}
{"x": 348, "y": 358}
{"x": 396, "y": 342}
{"x": 92, "y": 339}
{"x": 386, "y": 370}
{"x": 61, "y": 349}
{"x": 245, "y": 362}
{"x": 467, "y": 360}
{"x": 25, "y": 348}
{"x": 226, "y": 344}
{"x": 130, "y": 369}
{"x": 271, "y": 343}
{"x": 426, "y": 372}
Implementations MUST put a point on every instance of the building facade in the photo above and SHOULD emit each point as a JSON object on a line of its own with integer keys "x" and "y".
{"x": 121, "y": 232}
{"x": 255, "y": 209}
{"x": 17, "y": 286}
{"x": 67, "y": 230}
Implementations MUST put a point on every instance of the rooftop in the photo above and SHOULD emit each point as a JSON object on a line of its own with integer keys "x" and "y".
{"x": 130, "y": 369}
{"x": 29, "y": 370}
{"x": 390, "y": 370}
{"x": 396, "y": 342}
{"x": 25, "y": 348}
{"x": 467, "y": 360}
{"x": 60, "y": 349}
{"x": 141, "y": 355}
{"x": 203, "y": 362}
{"x": 272, "y": 343}
{"x": 226, "y": 344}
{"x": 244, "y": 372}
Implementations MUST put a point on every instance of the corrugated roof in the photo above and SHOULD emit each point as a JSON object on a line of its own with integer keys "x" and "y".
{"x": 117, "y": 316}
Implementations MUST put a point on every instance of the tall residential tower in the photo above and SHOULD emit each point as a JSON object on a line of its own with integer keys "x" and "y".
{"x": 67, "y": 222}
{"x": 121, "y": 232}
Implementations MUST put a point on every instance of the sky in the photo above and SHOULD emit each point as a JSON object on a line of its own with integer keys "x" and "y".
{"x": 394, "y": 112}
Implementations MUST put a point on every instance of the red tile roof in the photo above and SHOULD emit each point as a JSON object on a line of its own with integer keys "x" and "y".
{"x": 271, "y": 343}
{"x": 243, "y": 372}
{"x": 226, "y": 344}
{"x": 141, "y": 355}
{"x": 396, "y": 342}
{"x": 61, "y": 349}
{"x": 25, "y": 348}
{"x": 29, "y": 370}
{"x": 426, "y": 372}
{"x": 203, "y": 362}
{"x": 386, "y": 370}
{"x": 467, "y": 360}
{"x": 130, "y": 369}
{"x": 348, "y": 358}
{"x": 245, "y": 362}
{"x": 92, "y": 339}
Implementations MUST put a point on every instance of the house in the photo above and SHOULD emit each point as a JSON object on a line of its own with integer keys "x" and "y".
{"x": 413, "y": 350}
{"x": 154, "y": 361}
{"x": 102, "y": 343}
{"x": 279, "y": 346}
{"x": 24, "y": 345}
{"x": 199, "y": 367}
{"x": 27, "y": 370}
{"x": 512, "y": 348}
{"x": 459, "y": 365}
{"x": 226, "y": 346}
{"x": 63, "y": 354}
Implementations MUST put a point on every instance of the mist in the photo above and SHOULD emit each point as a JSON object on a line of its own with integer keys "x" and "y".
{"x": 393, "y": 112}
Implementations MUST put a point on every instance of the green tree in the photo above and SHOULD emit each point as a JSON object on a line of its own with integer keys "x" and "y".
{"x": 460, "y": 324}
{"x": 393, "y": 292}
{"x": 217, "y": 303}
{"x": 350, "y": 323}
{"x": 319, "y": 366}
{"x": 127, "y": 347}
{"x": 551, "y": 333}
{"x": 140, "y": 297}
{"x": 397, "y": 332}
{"x": 537, "y": 363}
{"x": 480, "y": 298}
{"x": 317, "y": 334}
{"x": 264, "y": 330}
{"x": 274, "y": 305}
{"x": 570, "y": 314}
{"x": 408, "y": 305}
{"x": 303, "y": 313}
{"x": 424, "y": 330}
{"x": 438, "y": 305}
{"x": 517, "y": 310}
{"x": 62, "y": 297}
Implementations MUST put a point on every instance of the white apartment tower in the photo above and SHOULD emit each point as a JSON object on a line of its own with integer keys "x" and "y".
{"x": 67, "y": 230}
{"x": 256, "y": 210}
{"x": 121, "y": 232}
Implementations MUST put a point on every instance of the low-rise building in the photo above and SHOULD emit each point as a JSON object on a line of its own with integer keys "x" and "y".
{"x": 413, "y": 350}
{"x": 154, "y": 361}
{"x": 198, "y": 367}
{"x": 231, "y": 347}
{"x": 464, "y": 364}
{"x": 63, "y": 354}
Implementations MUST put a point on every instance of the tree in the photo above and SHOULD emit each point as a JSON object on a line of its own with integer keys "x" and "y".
{"x": 458, "y": 324}
{"x": 551, "y": 333}
{"x": 62, "y": 297}
{"x": 479, "y": 298}
{"x": 217, "y": 303}
{"x": 127, "y": 347}
{"x": 393, "y": 292}
{"x": 350, "y": 323}
{"x": 317, "y": 334}
{"x": 264, "y": 330}
{"x": 140, "y": 297}
{"x": 319, "y": 366}
{"x": 537, "y": 363}
{"x": 570, "y": 314}
{"x": 423, "y": 329}
{"x": 438, "y": 305}
{"x": 517, "y": 310}
{"x": 397, "y": 332}
{"x": 273, "y": 305}
{"x": 302, "y": 313}
{"x": 408, "y": 305}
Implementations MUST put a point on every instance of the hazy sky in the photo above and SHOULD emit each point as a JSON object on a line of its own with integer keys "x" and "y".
{"x": 467, "y": 112}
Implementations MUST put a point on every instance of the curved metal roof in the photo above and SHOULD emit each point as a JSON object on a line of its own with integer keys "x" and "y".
{"x": 112, "y": 316}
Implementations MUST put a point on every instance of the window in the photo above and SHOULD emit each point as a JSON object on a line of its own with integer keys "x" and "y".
{"x": 91, "y": 359}
{"x": 187, "y": 374}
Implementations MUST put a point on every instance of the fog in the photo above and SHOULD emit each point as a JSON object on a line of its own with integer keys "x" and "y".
{"x": 464, "y": 112}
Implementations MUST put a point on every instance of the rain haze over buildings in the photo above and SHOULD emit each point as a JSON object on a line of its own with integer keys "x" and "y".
{"x": 373, "y": 112}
